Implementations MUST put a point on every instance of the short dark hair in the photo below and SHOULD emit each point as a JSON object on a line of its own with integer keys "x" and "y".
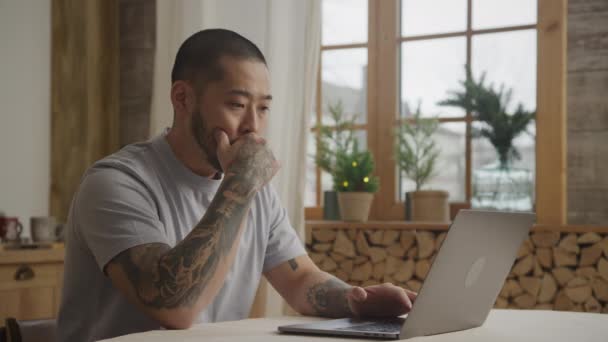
{"x": 198, "y": 57}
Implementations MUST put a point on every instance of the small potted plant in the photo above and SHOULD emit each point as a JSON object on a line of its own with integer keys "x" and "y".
{"x": 333, "y": 139}
{"x": 355, "y": 183}
{"x": 416, "y": 154}
{"x": 498, "y": 185}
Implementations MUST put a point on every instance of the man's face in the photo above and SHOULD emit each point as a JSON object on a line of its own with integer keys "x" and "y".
{"x": 237, "y": 104}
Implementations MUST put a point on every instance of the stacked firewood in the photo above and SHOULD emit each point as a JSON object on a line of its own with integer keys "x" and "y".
{"x": 561, "y": 271}
{"x": 553, "y": 270}
{"x": 368, "y": 257}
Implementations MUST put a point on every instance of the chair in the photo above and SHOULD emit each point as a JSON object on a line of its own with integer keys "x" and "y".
{"x": 39, "y": 330}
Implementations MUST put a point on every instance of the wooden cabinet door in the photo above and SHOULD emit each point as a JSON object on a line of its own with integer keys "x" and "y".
{"x": 29, "y": 291}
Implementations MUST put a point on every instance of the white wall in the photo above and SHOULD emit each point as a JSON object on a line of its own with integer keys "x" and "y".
{"x": 25, "y": 88}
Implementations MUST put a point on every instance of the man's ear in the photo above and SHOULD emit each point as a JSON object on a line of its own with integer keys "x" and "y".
{"x": 182, "y": 97}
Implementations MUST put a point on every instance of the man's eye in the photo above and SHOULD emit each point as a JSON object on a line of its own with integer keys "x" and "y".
{"x": 265, "y": 109}
{"x": 236, "y": 105}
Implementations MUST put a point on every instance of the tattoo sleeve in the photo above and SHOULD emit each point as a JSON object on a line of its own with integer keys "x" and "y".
{"x": 328, "y": 298}
{"x": 165, "y": 277}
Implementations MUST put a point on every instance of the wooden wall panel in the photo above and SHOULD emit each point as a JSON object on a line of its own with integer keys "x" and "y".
{"x": 587, "y": 35}
{"x": 137, "y": 29}
{"x": 587, "y": 111}
{"x": 84, "y": 92}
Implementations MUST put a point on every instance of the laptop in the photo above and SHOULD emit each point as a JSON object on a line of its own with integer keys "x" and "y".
{"x": 461, "y": 287}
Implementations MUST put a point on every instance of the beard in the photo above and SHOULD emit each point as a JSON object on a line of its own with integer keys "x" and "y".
{"x": 205, "y": 140}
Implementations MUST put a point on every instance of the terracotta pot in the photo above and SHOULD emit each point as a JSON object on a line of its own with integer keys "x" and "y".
{"x": 355, "y": 206}
{"x": 430, "y": 206}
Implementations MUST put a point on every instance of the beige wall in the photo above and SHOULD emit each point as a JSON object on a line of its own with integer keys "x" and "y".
{"x": 588, "y": 111}
{"x": 25, "y": 59}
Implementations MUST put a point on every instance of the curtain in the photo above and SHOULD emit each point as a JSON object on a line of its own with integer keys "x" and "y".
{"x": 289, "y": 34}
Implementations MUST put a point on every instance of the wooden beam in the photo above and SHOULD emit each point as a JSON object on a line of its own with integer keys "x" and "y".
{"x": 390, "y": 225}
{"x": 84, "y": 93}
{"x": 382, "y": 104}
{"x": 551, "y": 120}
{"x": 404, "y": 225}
{"x": 313, "y": 213}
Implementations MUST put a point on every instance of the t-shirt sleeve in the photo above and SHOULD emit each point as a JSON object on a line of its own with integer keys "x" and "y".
{"x": 283, "y": 242}
{"x": 113, "y": 212}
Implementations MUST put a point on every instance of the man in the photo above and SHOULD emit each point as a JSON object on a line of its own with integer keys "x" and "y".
{"x": 179, "y": 229}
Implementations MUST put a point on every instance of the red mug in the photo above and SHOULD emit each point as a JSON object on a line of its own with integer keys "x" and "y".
{"x": 10, "y": 229}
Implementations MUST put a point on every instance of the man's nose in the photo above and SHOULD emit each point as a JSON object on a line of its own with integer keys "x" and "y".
{"x": 251, "y": 122}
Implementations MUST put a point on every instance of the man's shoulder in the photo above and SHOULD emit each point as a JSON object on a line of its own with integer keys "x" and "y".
{"x": 133, "y": 165}
{"x": 131, "y": 158}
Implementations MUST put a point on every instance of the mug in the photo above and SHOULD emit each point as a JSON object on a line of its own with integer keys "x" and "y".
{"x": 43, "y": 228}
{"x": 10, "y": 229}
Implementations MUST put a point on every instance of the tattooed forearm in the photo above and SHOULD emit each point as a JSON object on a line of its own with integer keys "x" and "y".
{"x": 329, "y": 298}
{"x": 170, "y": 278}
{"x": 293, "y": 264}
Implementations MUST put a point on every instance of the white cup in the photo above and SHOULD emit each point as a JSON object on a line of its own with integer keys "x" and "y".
{"x": 43, "y": 228}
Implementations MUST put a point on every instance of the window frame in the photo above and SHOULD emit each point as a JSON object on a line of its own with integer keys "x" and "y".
{"x": 384, "y": 40}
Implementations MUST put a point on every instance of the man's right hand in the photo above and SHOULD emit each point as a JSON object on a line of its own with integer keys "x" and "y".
{"x": 249, "y": 156}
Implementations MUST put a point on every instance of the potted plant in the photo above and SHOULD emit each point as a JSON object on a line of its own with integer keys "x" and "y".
{"x": 498, "y": 185}
{"x": 416, "y": 154}
{"x": 333, "y": 139}
{"x": 354, "y": 182}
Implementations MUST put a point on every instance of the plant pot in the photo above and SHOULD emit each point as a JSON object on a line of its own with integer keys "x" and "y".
{"x": 408, "y": 206}
{"x": 331, "y": 210}
{"x": 355, "y": 206}
{"x": 430, "y": 206}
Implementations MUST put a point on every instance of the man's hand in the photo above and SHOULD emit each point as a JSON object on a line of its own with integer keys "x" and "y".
{"x": 385, "y": 300}
{"x": 248, "y": 156}
{"x": 311, "y": 291}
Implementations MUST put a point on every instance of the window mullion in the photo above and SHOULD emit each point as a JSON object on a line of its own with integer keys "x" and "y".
{"x": 382, "y": 102}
{"x": 468, "y": 132}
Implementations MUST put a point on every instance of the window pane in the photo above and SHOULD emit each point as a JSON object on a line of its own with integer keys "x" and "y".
{"x": 451, "y": 169}
{"x": 421, "y": 17}
{"x": 430, "y": 68}
{"x": 344, "y": 21}
{"x": 494, "y": 190}
{"x": 500, "y": 13}
{"x": 344, "y": 77}
{"x": 508, "y": 58}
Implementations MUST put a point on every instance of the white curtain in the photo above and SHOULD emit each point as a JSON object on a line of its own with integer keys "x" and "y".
{"x": 289, "y": 34}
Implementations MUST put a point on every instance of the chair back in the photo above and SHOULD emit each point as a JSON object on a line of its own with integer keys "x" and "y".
{"x": 38, "y": 330}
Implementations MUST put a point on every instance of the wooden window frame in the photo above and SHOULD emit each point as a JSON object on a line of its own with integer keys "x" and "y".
{"x": 384, "y": 38}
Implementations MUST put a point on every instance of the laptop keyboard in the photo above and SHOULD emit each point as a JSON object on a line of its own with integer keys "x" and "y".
{"x": 391, "y": 326}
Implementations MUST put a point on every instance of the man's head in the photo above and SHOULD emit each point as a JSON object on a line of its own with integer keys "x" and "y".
{"x": 219, "y": 82}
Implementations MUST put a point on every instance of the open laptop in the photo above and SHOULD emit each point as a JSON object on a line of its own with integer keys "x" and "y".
{"x": 461, "y": 286}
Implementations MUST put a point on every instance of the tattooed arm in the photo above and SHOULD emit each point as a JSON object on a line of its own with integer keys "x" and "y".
{"x": 173, "y": 285}
{"x": 311, "y": 291}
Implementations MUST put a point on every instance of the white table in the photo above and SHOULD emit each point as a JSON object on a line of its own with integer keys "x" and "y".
{"x": 501, "y": 325}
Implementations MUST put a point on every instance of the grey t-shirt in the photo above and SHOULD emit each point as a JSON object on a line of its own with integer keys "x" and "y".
{"x": 144, "y": 194}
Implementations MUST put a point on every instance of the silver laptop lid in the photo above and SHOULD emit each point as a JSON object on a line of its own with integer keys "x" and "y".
{"x": 468, "y": 272}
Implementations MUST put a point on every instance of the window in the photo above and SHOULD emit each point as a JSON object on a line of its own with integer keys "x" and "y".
{"x": 433, "y": 42}
{"x": 343, "y": 77}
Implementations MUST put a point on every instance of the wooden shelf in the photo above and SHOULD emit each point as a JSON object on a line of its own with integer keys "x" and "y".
{"x": 409, "y": 225}
{"x": 41, "y": 255}
{"x": 378, "y": 225}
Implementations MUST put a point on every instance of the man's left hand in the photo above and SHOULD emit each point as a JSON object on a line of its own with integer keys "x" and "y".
{"x": 385, "y": 300}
